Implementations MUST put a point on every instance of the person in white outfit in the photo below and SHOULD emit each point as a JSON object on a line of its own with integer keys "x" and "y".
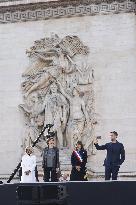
{"x": 28, "y": 165}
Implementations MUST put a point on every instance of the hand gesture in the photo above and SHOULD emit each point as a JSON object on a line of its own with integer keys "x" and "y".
{"x": 96, "y": 141}
{"x": 27, "y": 172}
{"x": 78, "y": 168}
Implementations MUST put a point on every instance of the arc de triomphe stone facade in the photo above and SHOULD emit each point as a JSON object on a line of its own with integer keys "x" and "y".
{"x": 70, "y": 63}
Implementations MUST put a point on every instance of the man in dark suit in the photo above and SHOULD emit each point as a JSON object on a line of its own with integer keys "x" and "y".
{"x": 115, "y": 156}
{"x": 50, "y": 161}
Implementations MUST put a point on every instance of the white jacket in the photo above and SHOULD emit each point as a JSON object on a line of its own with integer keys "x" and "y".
{"x": 28, "y": 163}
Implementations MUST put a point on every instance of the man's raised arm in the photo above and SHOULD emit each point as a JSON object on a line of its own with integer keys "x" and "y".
{"x": 98, "y": 147}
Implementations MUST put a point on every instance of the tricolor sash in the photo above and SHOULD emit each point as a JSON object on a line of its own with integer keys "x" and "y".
{"x": 78, "y": 156}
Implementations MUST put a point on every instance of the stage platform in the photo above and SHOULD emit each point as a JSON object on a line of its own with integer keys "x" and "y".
{"x": 70, "y": 193}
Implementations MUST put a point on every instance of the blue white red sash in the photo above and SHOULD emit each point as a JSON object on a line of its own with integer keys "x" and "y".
{"x": 78, "y": 156}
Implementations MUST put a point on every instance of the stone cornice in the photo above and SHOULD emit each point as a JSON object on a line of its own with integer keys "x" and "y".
{"x": 54, "y": 3}
{"x": 62, "y": 8}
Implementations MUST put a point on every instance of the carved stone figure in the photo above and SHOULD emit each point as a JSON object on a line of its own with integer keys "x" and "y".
{"x": 58, "y": 89}
{"x": 78, "y": 115}
{"x": 56, "y": 111}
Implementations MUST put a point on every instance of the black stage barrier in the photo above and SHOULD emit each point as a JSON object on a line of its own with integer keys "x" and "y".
{"x": 69, "y": 193}
{"x": 46, "y": 193}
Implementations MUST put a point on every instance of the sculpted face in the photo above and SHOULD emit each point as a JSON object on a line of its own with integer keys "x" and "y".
{"x": 75, "y": 92}
{"x": 53, "y": 88}
{"x": 34, "y": 97}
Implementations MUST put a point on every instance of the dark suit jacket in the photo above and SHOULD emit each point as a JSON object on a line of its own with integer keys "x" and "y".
{"x": 115, "y": 153}
{"x": 76, "y": 162}
{"x": 55, "y": 160}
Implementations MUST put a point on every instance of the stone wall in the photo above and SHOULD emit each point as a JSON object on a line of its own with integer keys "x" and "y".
{"x": 33, "y": 10}
{"x": 112, "y": 42}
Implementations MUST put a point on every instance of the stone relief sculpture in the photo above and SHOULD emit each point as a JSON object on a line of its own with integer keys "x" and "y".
{"x": 56, "y": 111}
{"x": 57, "y": 88}
{"x": 78, "y": 115}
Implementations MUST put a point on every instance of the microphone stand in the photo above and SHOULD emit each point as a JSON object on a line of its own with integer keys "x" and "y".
{"x": 48, "y": 126}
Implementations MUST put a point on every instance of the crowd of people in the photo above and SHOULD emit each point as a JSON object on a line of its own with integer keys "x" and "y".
{"x": 51, "y": 166}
